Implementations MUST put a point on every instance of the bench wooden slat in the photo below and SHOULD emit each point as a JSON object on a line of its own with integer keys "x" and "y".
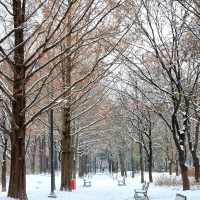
{"x": 86, "y": 183}
{"x": 121, "y": 181}
{"x": 142, "y": 193}
{"x": 180, "y": 197}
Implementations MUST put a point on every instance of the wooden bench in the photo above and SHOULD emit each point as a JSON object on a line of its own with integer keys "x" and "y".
{"x": 86, "y": 183}
{"x": 141, "y": 194}
{"x": 180, "y": 197}
{"x": 115, "y": 176}
{"x": 121, "y": 181}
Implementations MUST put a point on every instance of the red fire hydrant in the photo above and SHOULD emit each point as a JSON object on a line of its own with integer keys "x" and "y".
{"x": 72, "y": 184}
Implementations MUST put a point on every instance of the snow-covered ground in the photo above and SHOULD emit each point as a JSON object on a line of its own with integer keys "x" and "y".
{"x": 103, "y": 188}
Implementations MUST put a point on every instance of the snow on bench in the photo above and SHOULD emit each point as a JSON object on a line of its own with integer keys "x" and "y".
{"x": 180, "y": 197}
{"x": 115, "y": 175}
{"x": 141, "y": 194}
{"x": 86, "y": 183}
{"x": 121, "y": 181}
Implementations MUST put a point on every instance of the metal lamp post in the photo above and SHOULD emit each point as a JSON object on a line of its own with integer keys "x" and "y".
{"x": 52, "y": 194}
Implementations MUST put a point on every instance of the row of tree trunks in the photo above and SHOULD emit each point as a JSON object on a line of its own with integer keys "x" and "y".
{"x": 43, "y": 159}
{"x": 33, "y": 154}
{"x": 110, "y": 165}
{"x": 44, "y": 165}
{"x": 83, "y": 161}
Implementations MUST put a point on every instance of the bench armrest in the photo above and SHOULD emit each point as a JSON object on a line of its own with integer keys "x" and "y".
{"x": 140, "y": 191}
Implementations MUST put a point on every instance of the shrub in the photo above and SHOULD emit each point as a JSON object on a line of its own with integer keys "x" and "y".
{"x": 167, "y": 180}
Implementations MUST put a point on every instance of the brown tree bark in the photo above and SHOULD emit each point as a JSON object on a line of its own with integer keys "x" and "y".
{"x": 66, "y": 141}
{"x": 181, "y": 148}
{"x": 193, "y": 148}
{"x": 196, "y": 166}
{"x": 17, "y": 184}
{"x": 184, "y": 175}
{"x": 4, "y": 167}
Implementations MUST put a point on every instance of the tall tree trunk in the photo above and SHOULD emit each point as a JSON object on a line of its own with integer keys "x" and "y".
{"x": 170, "y": 167}
{"x": 176, "y": 168}
{"x": 110, "y": 165}
{"x": 17, "y": 184}
{"x": 74, "y": 151}
{"x": 66, "y": 141}
{"x": 150, "y": 170}
{"x": 66, "y": 152}
{"x": 122, "y": 163}
{"x": 150, "y": 163}
{"x": 150, "y": 158}
{"x": 33, "y": 155}
{"x": 116, "y": 167}
{"x": 184, "y": 171}
{"x": 193, "y": 148}
{"x": 196, "y": 166}
{"x": 82, "y": 165}
{"x": 132, "y": 161}
{"x": 74, "y": 168}
{"x": 80, "y": 169}
{"x": 95, "y": 165}
{"x": 166, "y": 165}
{"x": 4, "y": 167}
{"x": 181, "y": 148}
{"x": 56, "y": 160}
{"x": 74, "y": 156}
{"x": 42, "y": 155}
{"x": 141, "y": 163}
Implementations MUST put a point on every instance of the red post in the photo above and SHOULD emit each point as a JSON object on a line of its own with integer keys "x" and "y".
{"x": 72, "y": 184}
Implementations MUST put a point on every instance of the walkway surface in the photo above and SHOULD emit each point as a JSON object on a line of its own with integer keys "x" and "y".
{"x": 104, "y": 187}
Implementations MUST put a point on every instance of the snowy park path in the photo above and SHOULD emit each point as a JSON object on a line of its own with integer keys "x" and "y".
{"x": 103, "y": 188}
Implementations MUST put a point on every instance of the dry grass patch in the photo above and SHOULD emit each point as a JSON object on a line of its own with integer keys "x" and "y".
{"x": 167, "y": 180}
{"x": 171, "y": 180}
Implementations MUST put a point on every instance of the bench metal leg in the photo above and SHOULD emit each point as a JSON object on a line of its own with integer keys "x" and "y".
{"x": 140, "y": 197}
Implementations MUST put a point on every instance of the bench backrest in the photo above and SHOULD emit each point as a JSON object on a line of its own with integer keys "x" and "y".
{"x": 121, "y": 178}
{"x": 143, "y": 185}
{"x": 146, "y": 186}
{"x": 180, "y": 197}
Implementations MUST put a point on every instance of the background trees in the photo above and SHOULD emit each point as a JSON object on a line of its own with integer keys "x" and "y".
{"x": 120, "y": 75}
